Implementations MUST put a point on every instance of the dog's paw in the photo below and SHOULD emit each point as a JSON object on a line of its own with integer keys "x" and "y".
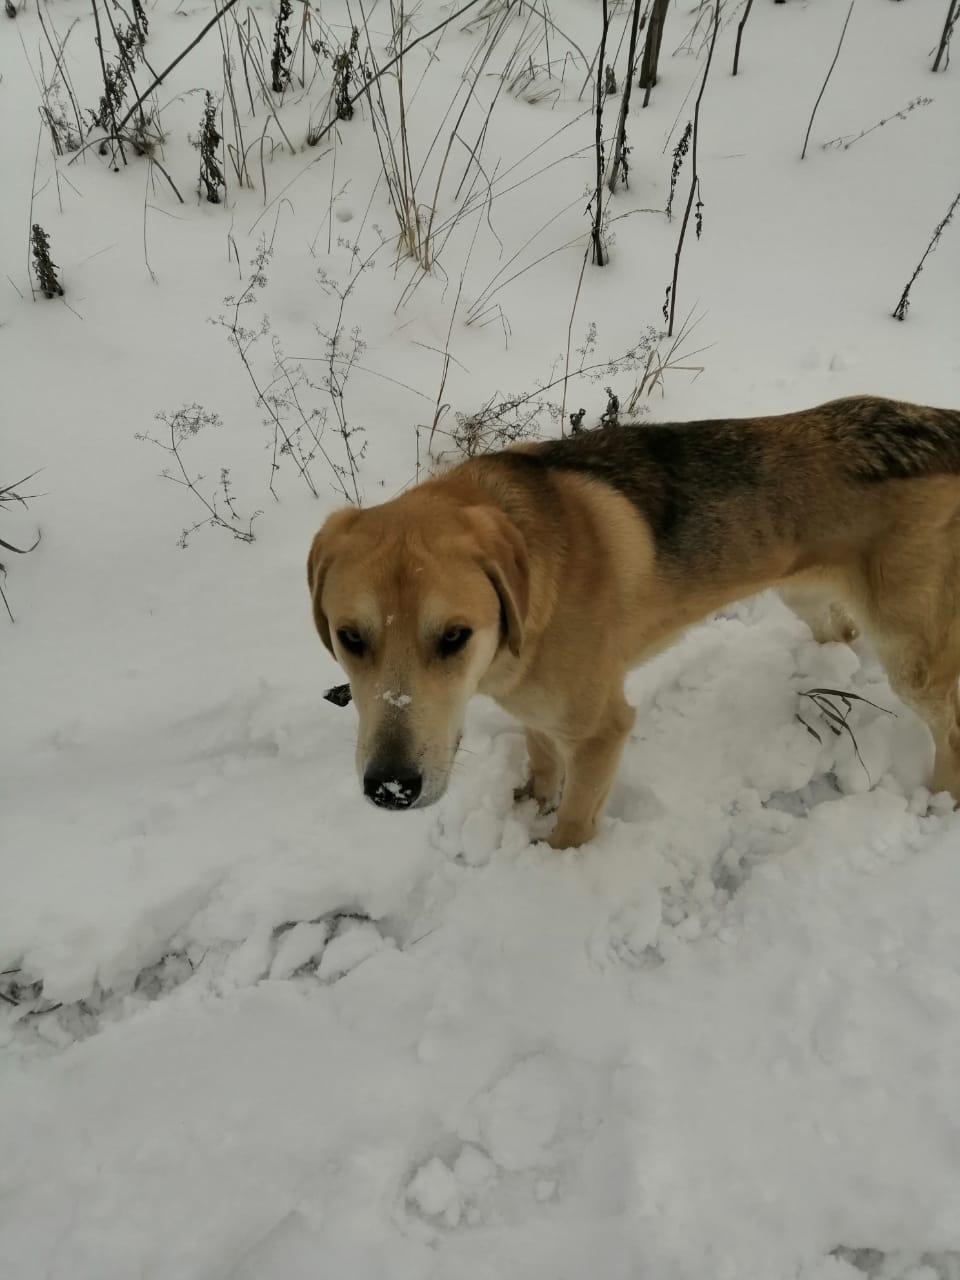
{"x": 571, "y": 835}
{"x": 545, "y": 804}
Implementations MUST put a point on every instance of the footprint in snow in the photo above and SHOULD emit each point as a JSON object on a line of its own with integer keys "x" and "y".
{"x": 513, "y": 1148}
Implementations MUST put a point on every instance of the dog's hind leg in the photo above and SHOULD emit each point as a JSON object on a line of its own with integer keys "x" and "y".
{"x": 926, "y": 680}
{"x": 826, "y": 618}
{"x": 928, "y": 686}
{"x": 914, "y": 624}
{"x": 546, "y": 772}
{"x": 590, "y": 767}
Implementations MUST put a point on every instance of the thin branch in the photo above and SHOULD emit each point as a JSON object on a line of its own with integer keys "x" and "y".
{"x": 900, "y": 311}
{"x": 621, "y": 149}
{"x": 743, "y": 23}
{"x": 599, "y": 255}
{"x": 694, "y": 178}
{"x": 826, "y": 81}
{"x": 651, "y": 48}
{"x": 387, "y": 66}
{"x": 177, "y": 60}
{"x": 953, "y": 13}
{"x": 566, "y": 367}
{"x": 107, "y": 92}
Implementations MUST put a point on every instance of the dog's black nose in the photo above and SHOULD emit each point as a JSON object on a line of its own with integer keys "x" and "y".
{"x": 392, "y": 788}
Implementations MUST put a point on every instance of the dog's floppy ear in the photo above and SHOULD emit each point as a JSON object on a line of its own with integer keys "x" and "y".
{"x": 503, "y": 556}
{"x": 319, "y": 560}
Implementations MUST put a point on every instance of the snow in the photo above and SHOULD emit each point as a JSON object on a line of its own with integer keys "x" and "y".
{"x": 398, "y": 700}
{"x": 300, "y": 945}
{"x": 256, "y": 1027}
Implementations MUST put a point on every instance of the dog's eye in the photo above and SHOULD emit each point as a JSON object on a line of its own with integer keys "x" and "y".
{"x": 453, "y": 640}
{"x": 352, "y": 641}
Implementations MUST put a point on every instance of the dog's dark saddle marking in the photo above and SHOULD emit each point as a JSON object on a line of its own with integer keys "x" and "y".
{"x": 677, "y": 475}
{"x": 683, "y": 477}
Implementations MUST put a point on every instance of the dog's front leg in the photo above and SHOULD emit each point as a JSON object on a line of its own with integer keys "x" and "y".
{"x": 591, "y": 765}
{"x": 546, "y": 772}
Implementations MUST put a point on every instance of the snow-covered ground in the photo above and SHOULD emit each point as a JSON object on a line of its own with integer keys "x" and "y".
{"x": 254, "y": 1027}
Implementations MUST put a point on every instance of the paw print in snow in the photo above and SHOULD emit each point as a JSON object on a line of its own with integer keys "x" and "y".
{"x": 445, "y": 1195}
{"x": 630, "y": 937}
{"x": 523, "y": 1119}
{"x": 433, "y": 1190}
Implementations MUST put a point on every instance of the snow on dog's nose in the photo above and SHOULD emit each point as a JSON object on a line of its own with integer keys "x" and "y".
{"x": 392, "y": 786}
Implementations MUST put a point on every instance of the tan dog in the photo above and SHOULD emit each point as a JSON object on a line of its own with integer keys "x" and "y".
{"x": 540, "y": 575}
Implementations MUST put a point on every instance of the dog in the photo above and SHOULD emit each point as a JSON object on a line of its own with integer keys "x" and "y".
{"x": 541, "y": 574}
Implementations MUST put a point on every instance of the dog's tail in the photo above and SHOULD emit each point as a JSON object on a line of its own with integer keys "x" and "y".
{"x": 890, "y": 440}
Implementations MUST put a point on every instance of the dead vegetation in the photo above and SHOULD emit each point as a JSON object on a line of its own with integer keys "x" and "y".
{"x": 294, "y": 83}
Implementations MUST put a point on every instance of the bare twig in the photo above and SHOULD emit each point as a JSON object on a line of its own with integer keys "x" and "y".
{"x": 440, "y": 408}
{"x": 566, "y": 366}
{"x": 900, "y": 310}
{"x": 826, "y": 81}
{"x": 107, "y": 91}
{"x": 182, "y": 425}
{"x": 943, "y": 50}
{"x": 846, "y": 141}
{"x": 242, "y": 339}
{"x": 621, "y": 149}
{"x": 596, "y": 233}
{"x": 651, "y": 48}
{"x": 60, "y": 65}
{"x": 388, "y": 66}
{"x": 33, "y": 193}
{"x": 657, "y": 366}
{"x": 742, "y": 24}
{"x": 694, "y": 177}
{"x": 158, "y": 80}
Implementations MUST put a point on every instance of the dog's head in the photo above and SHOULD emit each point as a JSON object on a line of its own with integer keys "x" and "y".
{"x": 416, "y": 599}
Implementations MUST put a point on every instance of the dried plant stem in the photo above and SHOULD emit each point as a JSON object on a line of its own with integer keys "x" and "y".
{"x": 943, "y": 51}
{"x": 388, "y": 66}
{"x": 900, "y": 311}
{"x": 596, "y": 233}
{"x": 566, "y": 366}
{"x": 237, "y": 149}
{"x": 267, "y": 98}
{"x": 621, "y": 149}
{"x": 651, "y": 48}
{"x": 158, "y": 80}
{"x": 838, "y": 722}
{"x": 33, "y": 196}
{"x": 694, "y": 178}
{"x": 107, "y": 94}
{"x": 741, "y": 25}
{"x": 279, "y": 430}
{"x": 10, "y": 494}
{"x": 440, "y": 408}
{"x": 60, "y": 66}
{"x": 242, "y": 535}
{"x": 125, "y": 61}
{"x": 826, "y": 81}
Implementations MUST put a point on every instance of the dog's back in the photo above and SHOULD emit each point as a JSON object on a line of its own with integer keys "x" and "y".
{"x": 704, "y": 487}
